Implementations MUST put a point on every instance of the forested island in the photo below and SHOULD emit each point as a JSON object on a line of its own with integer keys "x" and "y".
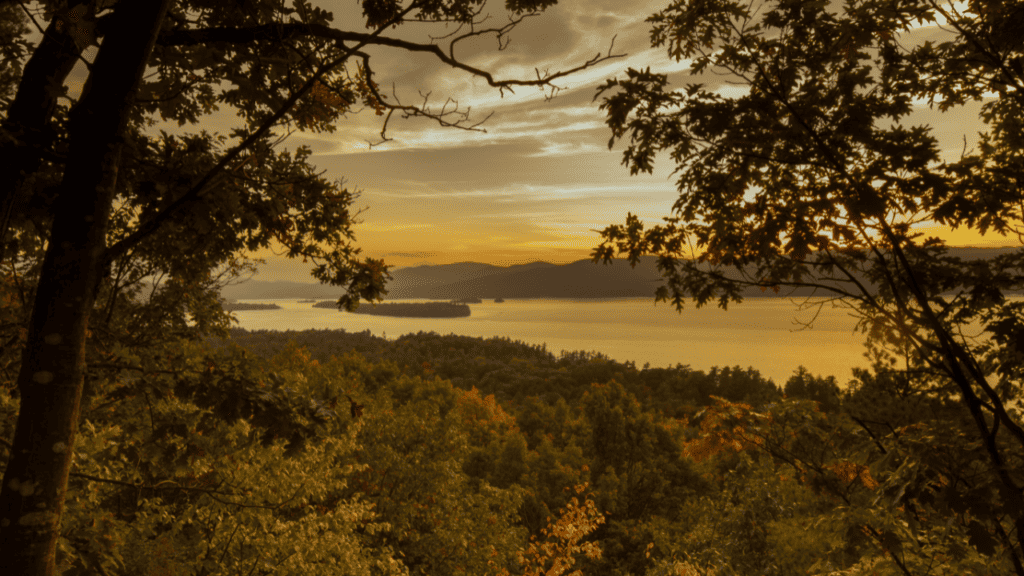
{"x": 234, "y": 306}
{"x": 407, "y": 309}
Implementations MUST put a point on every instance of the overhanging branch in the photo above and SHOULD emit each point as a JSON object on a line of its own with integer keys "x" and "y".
{"x": 281, "y": 32}
{"x": 151, "y": 226}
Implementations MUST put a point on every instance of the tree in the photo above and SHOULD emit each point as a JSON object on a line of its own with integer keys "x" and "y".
{"x": 211, "y": 464}
{"x": 823, "y": 390}
{"x": 637, "y": 470}
{"x": 51, "y": 376}
{"x": 416, "y": 441}
{"x": 641, "y": 478}
{"x": 810, "y": 180}
{"x": 562, "y": 541}
{"x": 92, "y": 204}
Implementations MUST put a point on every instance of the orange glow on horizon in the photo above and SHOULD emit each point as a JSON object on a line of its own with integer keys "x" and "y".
{"x": 408, "y": 250}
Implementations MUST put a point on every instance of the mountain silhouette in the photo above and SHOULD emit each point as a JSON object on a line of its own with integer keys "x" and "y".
{"x": 580, "y": 279}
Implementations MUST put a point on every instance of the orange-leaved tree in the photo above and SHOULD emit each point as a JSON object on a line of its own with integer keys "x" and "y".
{"x": 563, "y": 541}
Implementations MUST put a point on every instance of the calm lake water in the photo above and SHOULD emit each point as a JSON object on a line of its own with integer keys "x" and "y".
{"x": 762, "y": 333}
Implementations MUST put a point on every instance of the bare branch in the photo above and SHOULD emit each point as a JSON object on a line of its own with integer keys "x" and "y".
{"x": 409, "y": 111}
{"x": 282, "y": 32}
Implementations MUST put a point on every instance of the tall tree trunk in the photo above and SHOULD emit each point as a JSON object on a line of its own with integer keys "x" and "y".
{"x": 53, "y": 361}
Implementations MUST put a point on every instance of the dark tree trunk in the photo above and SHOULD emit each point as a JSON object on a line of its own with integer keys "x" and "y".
{"x": 53, "y": 361}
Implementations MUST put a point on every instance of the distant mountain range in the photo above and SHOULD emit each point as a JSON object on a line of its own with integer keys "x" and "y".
{"x": 580, "y": 279}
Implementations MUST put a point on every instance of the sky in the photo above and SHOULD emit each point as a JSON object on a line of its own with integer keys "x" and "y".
{"x": 540, "y": 182}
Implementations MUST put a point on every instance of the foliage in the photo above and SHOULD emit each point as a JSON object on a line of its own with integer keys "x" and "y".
{"x": 812, "y": 178}
{"x": 913, "y": 499}
{"x": 450, "y": 480}
{"x": 513, "y": 371}
{"x": 318, "y": 452}
{"x": 166, "y": 481}
{"x": 415, "y": 442}
{"x": 627, "y": 450}
{"x": 556, "y": 552}
{"x": 634, "y": 455}
{"x": 94, "y": 206}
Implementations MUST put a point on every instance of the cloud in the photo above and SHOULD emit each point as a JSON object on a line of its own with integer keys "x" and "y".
{"x": 566, "y": 149}
{"x": 538, "y": 177}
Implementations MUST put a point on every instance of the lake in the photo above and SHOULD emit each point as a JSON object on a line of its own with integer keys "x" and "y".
{"x": 762, "y": 333}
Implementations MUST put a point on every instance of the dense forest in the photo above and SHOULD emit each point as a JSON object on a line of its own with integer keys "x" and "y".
{"x": 451, "y": 454}
{"x": 439, "y": 455}
{"x": 723, "y": 471}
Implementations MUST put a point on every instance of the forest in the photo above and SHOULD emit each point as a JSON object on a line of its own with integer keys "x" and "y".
{"x": 140, "y": 434}
{"x": 430, "y": 454}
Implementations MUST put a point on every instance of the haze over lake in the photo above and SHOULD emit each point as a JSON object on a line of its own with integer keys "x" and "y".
{"x": 761, "y": 333}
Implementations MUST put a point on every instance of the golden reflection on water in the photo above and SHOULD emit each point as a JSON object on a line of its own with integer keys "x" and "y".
{"x": 763, "y": 333}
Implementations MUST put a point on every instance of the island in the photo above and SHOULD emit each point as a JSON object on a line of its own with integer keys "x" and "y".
{"x": 407, "y": 309}
{"x": 499, "y": 300}
{"x": 306, "y": 301}
{"x": 233, "y": 306}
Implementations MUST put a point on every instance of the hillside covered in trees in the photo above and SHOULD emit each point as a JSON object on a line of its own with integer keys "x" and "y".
{"x": 450, "y": 455}
{"x": 723, "y": 468}
{"x": 438, "y": 454}
{"x": 581, "y": 279}
{"x": 236, "y": 306}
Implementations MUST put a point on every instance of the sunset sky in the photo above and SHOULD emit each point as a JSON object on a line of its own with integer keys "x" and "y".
{"x": 541, "y": 179}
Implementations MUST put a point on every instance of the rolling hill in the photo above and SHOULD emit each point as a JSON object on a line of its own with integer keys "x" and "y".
{"x": 580, "y": 279}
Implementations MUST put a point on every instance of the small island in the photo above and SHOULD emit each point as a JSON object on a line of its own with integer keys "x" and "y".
{"x": 499, "y": 300}
{"x": 234, "y": 306}
{"x": 306, "y": 301}
{"x": 407, "y": 309}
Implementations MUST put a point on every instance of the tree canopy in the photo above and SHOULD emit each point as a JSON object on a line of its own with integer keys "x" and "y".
{"x": 93, "y": 202}
{"x": 812, "y": 177}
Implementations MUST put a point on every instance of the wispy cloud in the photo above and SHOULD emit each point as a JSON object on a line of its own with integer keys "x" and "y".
{"x": 537, "y": 183}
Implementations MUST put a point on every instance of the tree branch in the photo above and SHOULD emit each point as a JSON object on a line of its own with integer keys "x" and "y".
{"x": 152, "y": 225}
{"x": 281, "y": 32}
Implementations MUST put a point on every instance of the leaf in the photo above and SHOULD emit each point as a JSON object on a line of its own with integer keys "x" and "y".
{"x": 81, "y": 30}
